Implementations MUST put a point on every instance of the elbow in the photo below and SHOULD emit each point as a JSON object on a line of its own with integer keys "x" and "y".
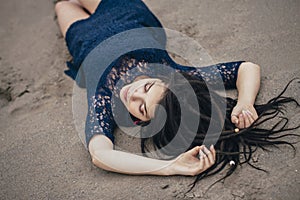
{"x": 100, "y": 148}
{"x": 94, "y": 160}
{"x": 250, "y": 65}
{"x": 247, "y": 68}
{"x": 255, "y": 66}
{"x": 97, "y": 161}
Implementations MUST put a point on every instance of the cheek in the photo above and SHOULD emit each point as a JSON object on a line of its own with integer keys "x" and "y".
{"x": 134, "y": 110}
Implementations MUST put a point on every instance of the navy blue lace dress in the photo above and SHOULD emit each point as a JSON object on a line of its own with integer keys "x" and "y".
{"x": 85, "y": 40}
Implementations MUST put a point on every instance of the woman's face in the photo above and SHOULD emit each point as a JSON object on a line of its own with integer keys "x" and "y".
{"x": 140, "y": 97}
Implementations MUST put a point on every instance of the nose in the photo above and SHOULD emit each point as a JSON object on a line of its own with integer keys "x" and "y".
{"x": 138, "y": 94}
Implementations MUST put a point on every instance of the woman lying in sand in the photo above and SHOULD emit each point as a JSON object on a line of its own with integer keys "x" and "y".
{"x": 87, "y": 24}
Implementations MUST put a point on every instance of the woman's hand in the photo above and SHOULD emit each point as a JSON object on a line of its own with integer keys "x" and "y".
{"x": 243, "y": 115}
{"x": 193, "y": 161}
{"x": 248, "y": 83}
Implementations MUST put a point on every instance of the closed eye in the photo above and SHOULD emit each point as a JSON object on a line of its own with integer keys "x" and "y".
{"x": 148, "y": 85}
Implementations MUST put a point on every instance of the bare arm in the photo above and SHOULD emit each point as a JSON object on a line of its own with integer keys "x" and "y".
{"x": 248, "y": 84}
{"x": 104, "y": 156}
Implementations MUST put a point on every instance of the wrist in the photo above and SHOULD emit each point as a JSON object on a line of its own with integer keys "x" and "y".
{"x": 245, "y": 102}
{"x": 168, "y": 169}
{"x": 171, "y": 168}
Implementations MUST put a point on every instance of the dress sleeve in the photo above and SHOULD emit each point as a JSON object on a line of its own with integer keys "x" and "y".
{"x": 99, "y": 118}
{"x": 211, "y": 74}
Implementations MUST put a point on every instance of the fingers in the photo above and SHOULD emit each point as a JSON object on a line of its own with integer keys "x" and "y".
{"x": 243, "y": 115}
{"x": 202, "y": 155}
{"x": 194, "y": 151}
{"x": 250, "y": 117}
{"x": 241, "y": 121}
{"x": 234, "y": 115}
{"x": 197, "y": 160}
{"x": 234, "y": 119}
{"x": 209, "y": 155}
{"x": 207, "y": 158}
{"x": 201, "y": 165}
{"x": 246, "y": 118}
{"x": 253, "y": 115}
{"x": 212, "y": 149}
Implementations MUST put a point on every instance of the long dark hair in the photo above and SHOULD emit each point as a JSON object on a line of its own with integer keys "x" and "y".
{"x": 232, "y": 147}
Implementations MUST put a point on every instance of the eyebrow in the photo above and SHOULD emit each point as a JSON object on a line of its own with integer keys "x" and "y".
{"x": 145, "y": 105}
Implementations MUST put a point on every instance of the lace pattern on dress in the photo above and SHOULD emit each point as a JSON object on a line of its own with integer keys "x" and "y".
{"x": 212, "y": 74}
{"x": 126, "y": 70}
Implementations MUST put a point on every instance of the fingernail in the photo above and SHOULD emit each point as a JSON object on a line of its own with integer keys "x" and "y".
{"x": 236, "y": 121}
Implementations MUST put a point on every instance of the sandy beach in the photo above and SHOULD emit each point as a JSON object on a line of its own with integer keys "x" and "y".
{"x": 41, "y": 155}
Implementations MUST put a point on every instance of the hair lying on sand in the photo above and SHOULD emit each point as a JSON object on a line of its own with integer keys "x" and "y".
{"x": 234, "y": 147}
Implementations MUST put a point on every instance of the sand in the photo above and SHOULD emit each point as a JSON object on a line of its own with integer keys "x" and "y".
{"x": 41, "y": 154}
